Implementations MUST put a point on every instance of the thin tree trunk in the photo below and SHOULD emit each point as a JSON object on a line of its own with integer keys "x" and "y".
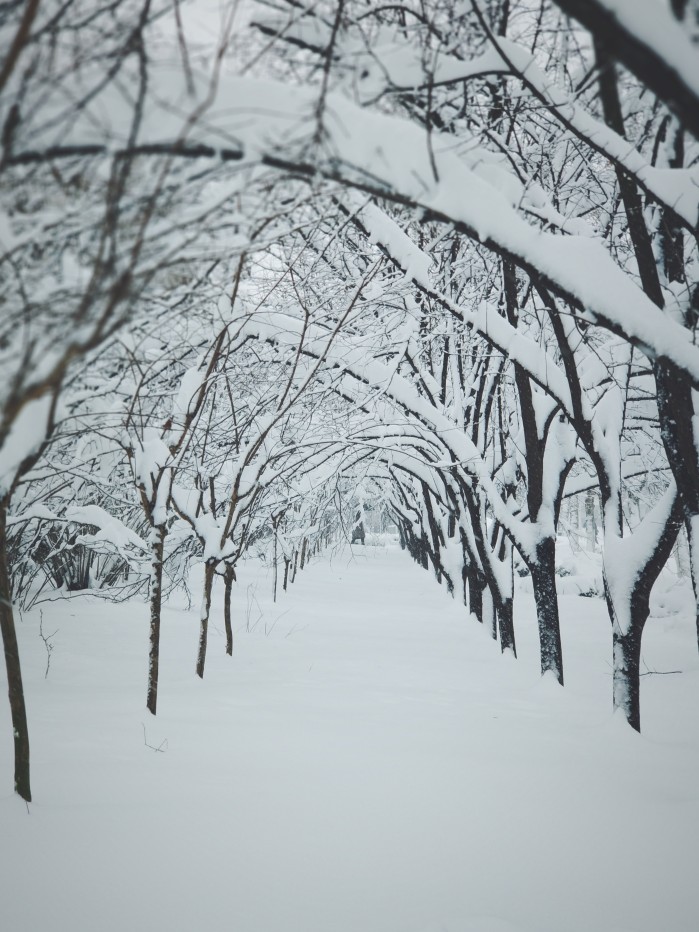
{"x": 543, "y": 572}
{"x": 465, "y": 576}
{"x": 228, "y": 579}
{"x": 488, "y": 616}
{"x": 14, "y": 671}
{"x": 286, "y": 573}
{"x": 590, "y": 521}
{"x": 209, "y": 573}
{"x": 156, "y": 594}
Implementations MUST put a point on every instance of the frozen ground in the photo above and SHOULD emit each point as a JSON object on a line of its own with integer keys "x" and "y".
{"x": 367, "y": 762}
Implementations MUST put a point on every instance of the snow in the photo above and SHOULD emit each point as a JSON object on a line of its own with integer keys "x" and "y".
{"x": 366, "y": 761}
{"x": 278, "y": 123}
{"x": 654, "y": 26}
{"x": 111, "y": 530}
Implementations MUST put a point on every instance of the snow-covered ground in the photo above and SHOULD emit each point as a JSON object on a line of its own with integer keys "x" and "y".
{"x": 366, "y": 762}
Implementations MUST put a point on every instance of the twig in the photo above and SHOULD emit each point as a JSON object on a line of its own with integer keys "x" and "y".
{"x": 269, "y": 629}
{"x": 252, "y": 598}
{"x": 162, "y": 747}
{"x": 649, "y": 672}
{"x": 46, "y": 638}
{"x": 660, "y": 672}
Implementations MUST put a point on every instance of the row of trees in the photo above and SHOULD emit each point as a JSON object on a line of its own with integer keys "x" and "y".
{"x": 445, "y": 253}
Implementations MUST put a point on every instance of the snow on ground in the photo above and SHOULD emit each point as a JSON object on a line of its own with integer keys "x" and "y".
{"x": 366, "y": 762}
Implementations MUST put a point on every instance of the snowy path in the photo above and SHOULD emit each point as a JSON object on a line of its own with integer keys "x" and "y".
{"x": 367, "y": 762}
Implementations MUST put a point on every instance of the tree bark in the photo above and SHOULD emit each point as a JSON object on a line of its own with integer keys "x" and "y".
{"x": 677, "y": 418}
{"x": 505, "y": 621}
{"x": 627, "y": 672}
{"x": 629, "y": 619}
{"x": 209, "y": 573}
{"x": 476, "y": 585}
{"x": 14, "y": 671}
{"x": 156, "y": 594}
{"x": 693, "y": 538}
{"x": 228, "y": 579}
{"x": 543, "y": 572}
{"x": 489, "y": 616}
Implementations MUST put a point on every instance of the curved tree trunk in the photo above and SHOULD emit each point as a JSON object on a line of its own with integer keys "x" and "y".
{"x": 14, "y": 671}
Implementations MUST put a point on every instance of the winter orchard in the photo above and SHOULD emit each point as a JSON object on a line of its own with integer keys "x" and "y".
{"x": 268, "y": 266}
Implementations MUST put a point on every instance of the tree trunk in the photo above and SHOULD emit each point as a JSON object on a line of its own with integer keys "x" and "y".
{"x": 630, "y": 612}
{"x": 591, "y": 521}
{"x": 476, "y": 585}
{"x": 228, "y": 579}
{"x": 627, "y": 670}
{"x": 677, "y": 418}
{"x": 276, "y": 566}
{"x": 504, "y": 614}
{"x": 209, "y": 573}
{"x": 543, "y": 572}
{"x": 488, "y": 612}
{"x": 401, "y": 536}
{"x": 156, "y": 594}
{"x": 693, "y": 539}
{"x": 14, "y": 671}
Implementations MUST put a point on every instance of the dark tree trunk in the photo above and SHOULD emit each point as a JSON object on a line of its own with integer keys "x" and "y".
{"x": 423, "y": 553}
{"x": 504, "y": 614}
{"x": 476, "y": 584}
{"x": 490, "y": 618}
{"x": 156, "y": 595}
{"x": 228, "y": 579}
{"x": 209, "y": 573}
{"x": 629, "y": 619}
{"x": 286, "y": 573}
{"x": 693, "y": 540}
{"x": 627, "y": 672}
{"x": 543, "y": 572}
{"x": 677, "y": 417}
{"x": 401, "y": 536}
{"x": 14, "y": 671}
